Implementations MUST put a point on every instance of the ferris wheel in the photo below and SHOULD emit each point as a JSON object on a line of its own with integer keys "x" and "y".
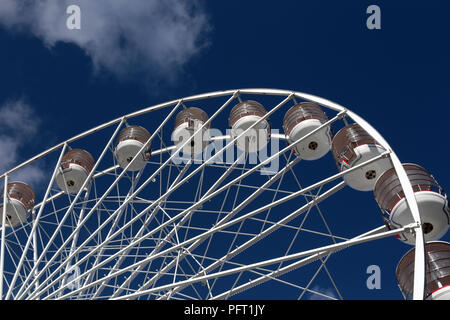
{"x": 216, "y": 196}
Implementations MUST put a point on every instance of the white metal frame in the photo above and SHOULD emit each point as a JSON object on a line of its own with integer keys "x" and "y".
{"x": 187, "y": 246}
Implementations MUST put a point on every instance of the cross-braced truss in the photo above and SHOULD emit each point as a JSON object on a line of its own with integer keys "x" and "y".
{"x": 184, "y": 228}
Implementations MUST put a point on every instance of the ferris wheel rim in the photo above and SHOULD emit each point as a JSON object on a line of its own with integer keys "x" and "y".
{"x": 406, "y": 185}
{"x": 212, "y": 94}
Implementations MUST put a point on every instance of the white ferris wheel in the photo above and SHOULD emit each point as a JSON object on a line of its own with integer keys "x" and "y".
{"x": 216, "y": 196}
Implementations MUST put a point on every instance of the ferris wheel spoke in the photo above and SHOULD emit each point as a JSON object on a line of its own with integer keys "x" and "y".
{"x": 257, "y": 167}
{"x": 169, "y": 234}
{"x": 253, "y": 213}
{"x": 316, "y": 205}
{"x": 78, "y": 224}
{"x": 262, "y": 272}
{"x": 271, "y": 229}
{"x": 123, "y": 255}
{"x": 319, "y": 255}
{"x": 167, "y": 267}
{"x": 73, "y": 204}
{"x": 13, "y": 248}
{"x": 188, "y": 214}
{"x": 178, "y": 177}
{"x": 236, "y": 210}
{"x": 238, "y": 232}
{"x": 264, "y": 277}
{"x": 329, "y": 248}
{"x": 184, "y": 219}
{"x": 114, "y": 225}
{"x": 10, "y": 252}
{"x": 156, "y": 256}
{"x": 298, "y": 264}
{"x": 58, "y": 194}
{"x": 167, "y": 161}
{"x": 229, "y": 215}
{"x": 184, "y": 274}
{"x": 111, "y": 236}
{"x": 178, "y": 226}
{"x": 322, "y": 264}
{"x": 332, "y": 280}
{"x": 299, "y": 228}
{"x": 25, "y": 248}
{"x": 277, "y": 190}
{"x": 118, "y": 178}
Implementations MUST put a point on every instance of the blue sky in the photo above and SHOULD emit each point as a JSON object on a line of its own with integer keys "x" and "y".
{"x": 67, "y": 81}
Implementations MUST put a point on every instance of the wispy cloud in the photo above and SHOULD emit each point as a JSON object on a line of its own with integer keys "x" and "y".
{"x": 18, "y": 127}
{"x": 126, "y": 37}
{"x": 329, "y": 293}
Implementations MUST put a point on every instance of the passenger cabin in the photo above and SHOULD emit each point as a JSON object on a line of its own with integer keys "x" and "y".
{"x": 75, "y": 167}
{"x": 244, "y": 115}
{"x": 352, "y": 146}
{"x": 187, "y": 122}
{"x": 299, "y": 121}
{"x": 437, "y": 280}
{"x": 431, "y": 200}
{"x": 130, "y": 141}
{"x": 20, "y": 202}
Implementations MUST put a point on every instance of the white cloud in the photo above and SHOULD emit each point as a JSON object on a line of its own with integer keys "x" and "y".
{"x": 153, "y": 37}
{"x": 18, "y": 126}
{"x": 8, "y": 152}
{"x": 17, "y": 118}
{"x": 328, "y": 292}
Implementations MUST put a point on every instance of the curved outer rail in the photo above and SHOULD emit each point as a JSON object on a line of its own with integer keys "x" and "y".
{"x": 419, "y": 273}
